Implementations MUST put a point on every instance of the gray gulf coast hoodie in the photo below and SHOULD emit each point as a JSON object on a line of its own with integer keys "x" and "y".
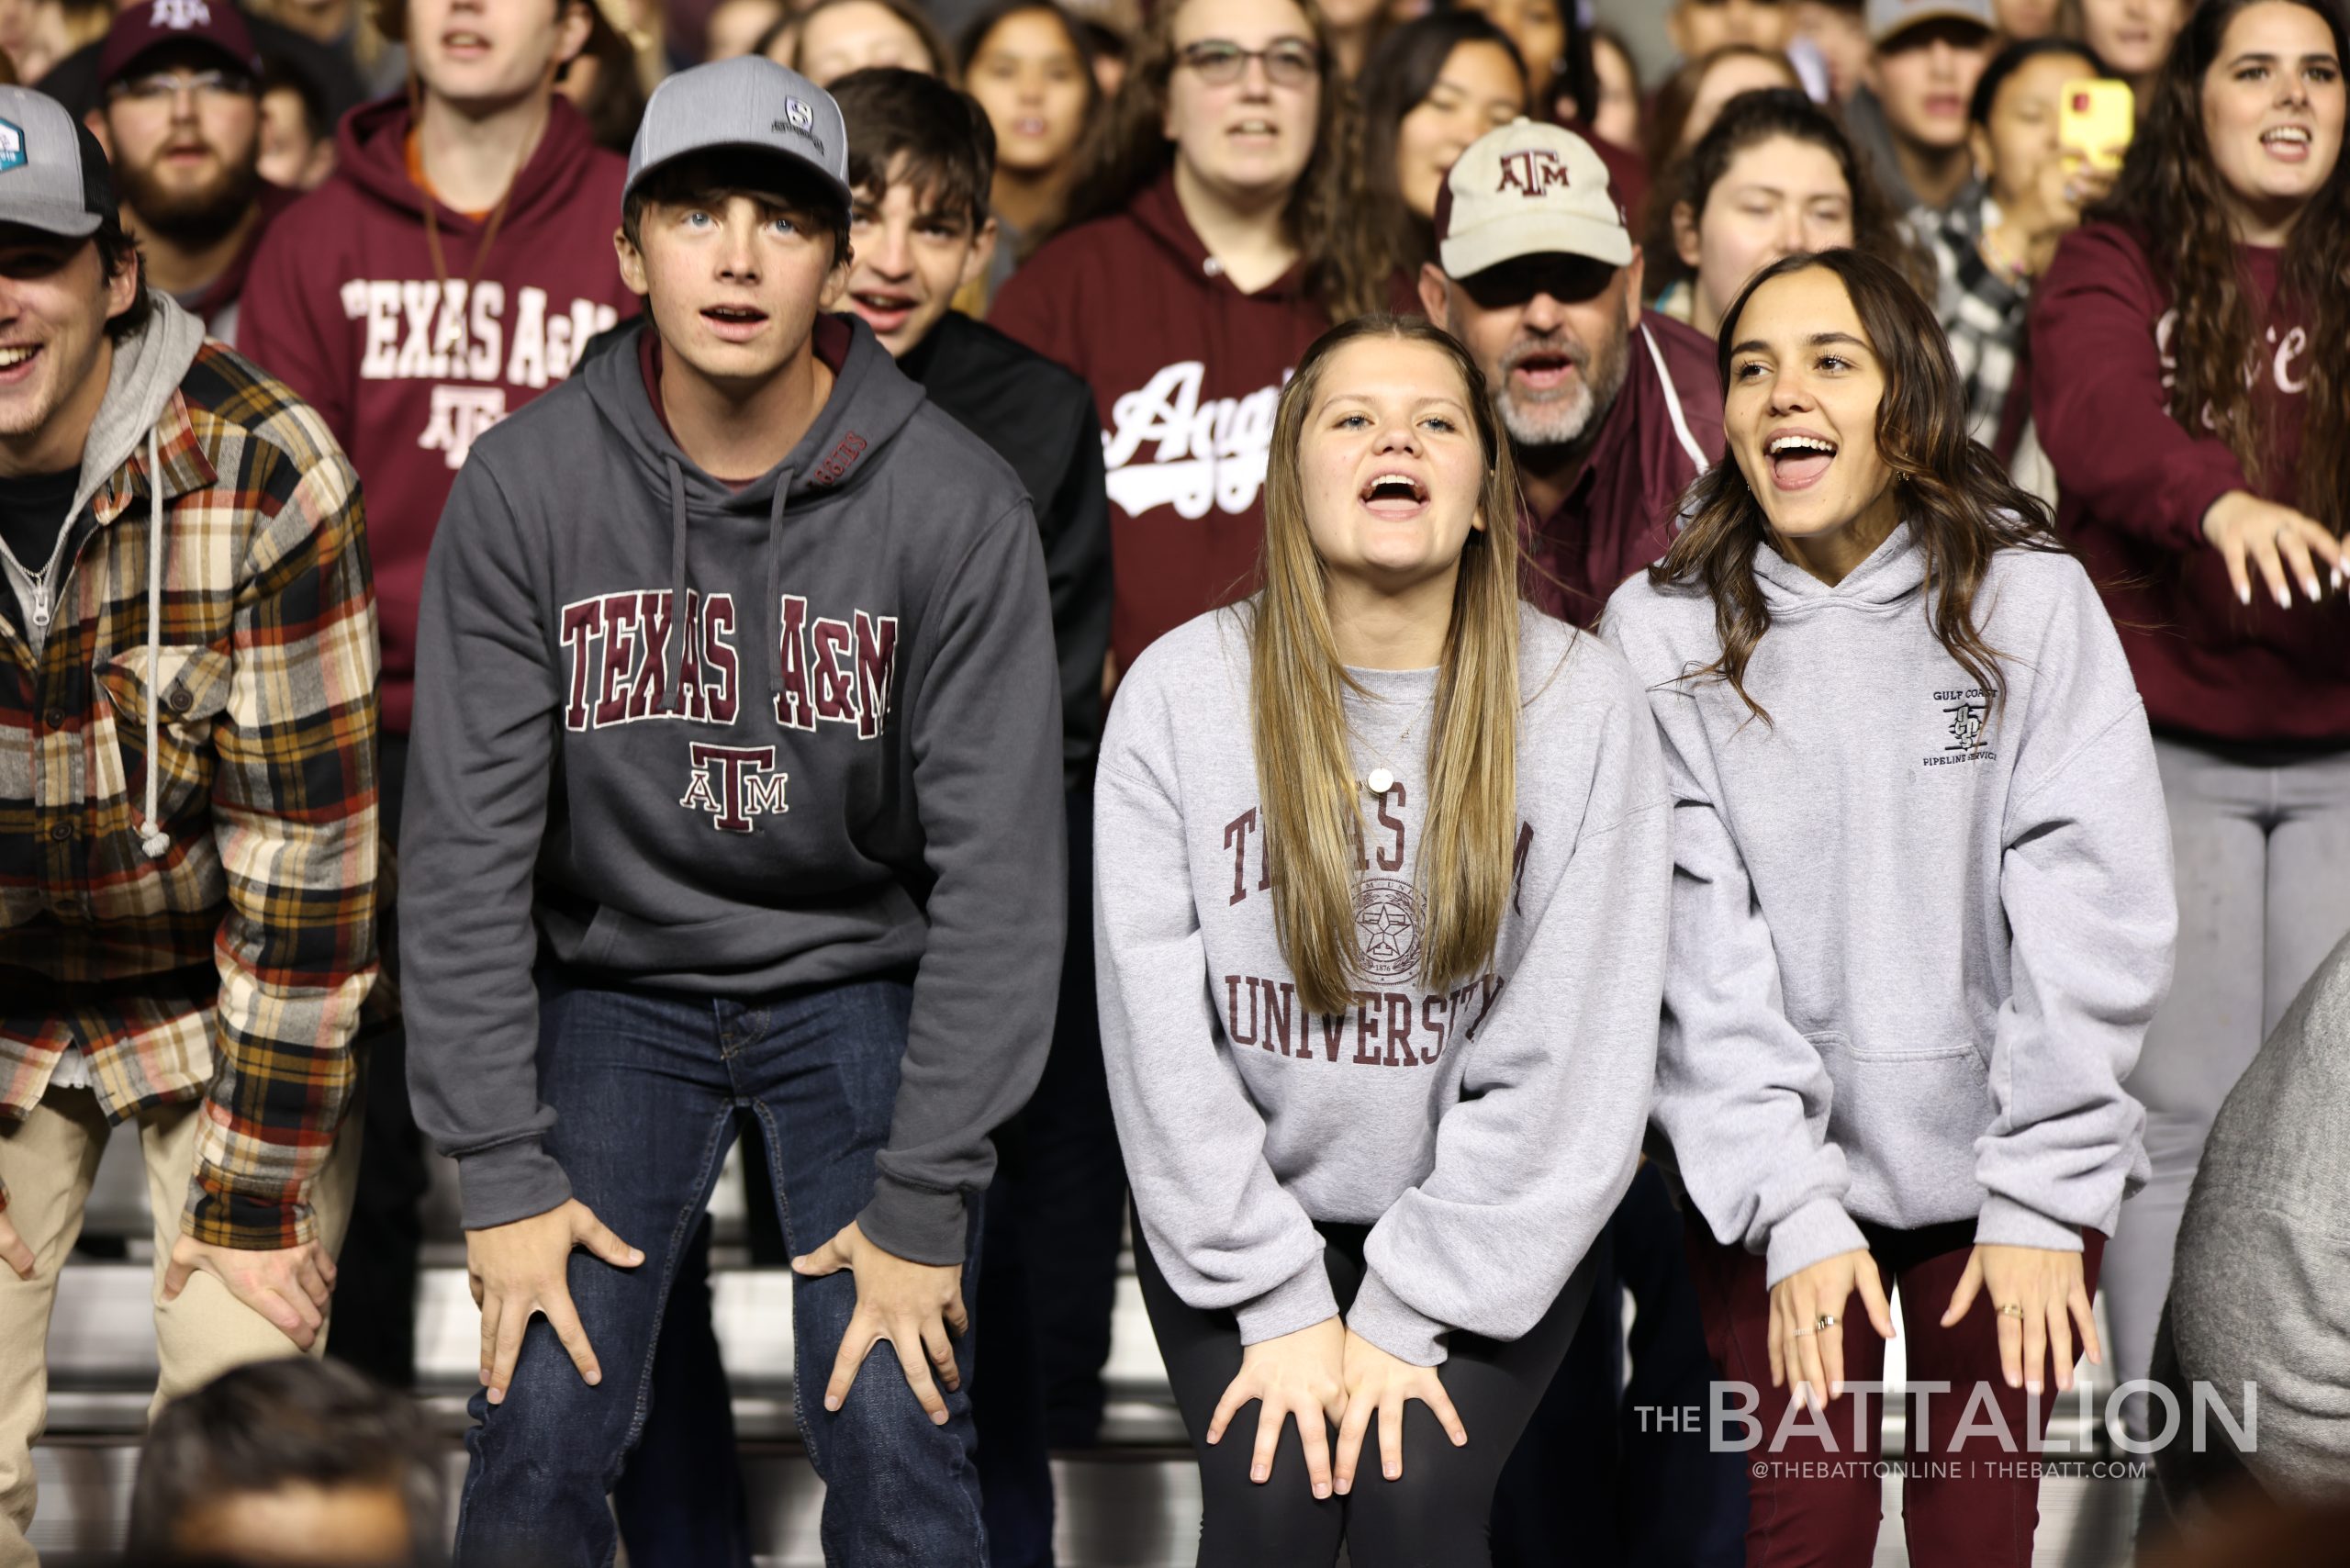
{"x": 1916, "y": 938}
{"x": 1484, "y": 1129}
{"x": 840, "y": 759}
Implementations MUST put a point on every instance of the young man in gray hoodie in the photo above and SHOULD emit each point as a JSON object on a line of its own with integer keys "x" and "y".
{"x": 740, "y": 790}
{"x": 188, "y": 796}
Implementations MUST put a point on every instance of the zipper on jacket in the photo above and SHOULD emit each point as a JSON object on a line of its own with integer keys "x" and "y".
{"x": 40, "y": 600}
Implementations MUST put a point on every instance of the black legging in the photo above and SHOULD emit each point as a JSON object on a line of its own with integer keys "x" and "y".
{"x": 1436, "y": 1516}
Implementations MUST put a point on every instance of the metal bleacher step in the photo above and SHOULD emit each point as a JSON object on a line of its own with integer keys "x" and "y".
{"x": 1134, "y": 1503}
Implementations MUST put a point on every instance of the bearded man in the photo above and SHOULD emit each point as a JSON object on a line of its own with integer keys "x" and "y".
{"x": 180, "y": 107}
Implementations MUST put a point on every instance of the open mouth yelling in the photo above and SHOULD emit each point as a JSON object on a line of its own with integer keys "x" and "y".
{"x": 1394, "y": 497}
{"x": 1544, "y": 371}
{"x": 1799, "y": 459}
{"x": 885, "y": 313}
{"x": 2287, "y": 143}
{"x": 735, "y": 323}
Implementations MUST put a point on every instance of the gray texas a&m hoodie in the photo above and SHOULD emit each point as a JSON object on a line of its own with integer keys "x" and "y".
{"x": 840, "y": 760}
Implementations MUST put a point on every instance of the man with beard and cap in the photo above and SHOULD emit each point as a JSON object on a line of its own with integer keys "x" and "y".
{"x": 179, "y": 90}
{"x": 1611, "y": 414}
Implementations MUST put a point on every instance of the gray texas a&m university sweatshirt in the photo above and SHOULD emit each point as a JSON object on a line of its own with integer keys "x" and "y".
{"x": 1483, "y": 1129}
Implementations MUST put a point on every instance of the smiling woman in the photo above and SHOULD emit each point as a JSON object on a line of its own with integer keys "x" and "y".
{"x": 2190, "y": 390}
{"x": 1381, "y": 809}
{"x": 1922, "y": 887}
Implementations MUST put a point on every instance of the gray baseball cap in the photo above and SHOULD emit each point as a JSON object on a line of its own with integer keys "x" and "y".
{"x": 54, "y": 175}
{"x": 748, "y": 102}
{"x": 1886, "y": 18}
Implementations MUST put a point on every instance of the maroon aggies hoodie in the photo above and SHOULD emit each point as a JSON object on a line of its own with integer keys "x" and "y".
{"x": 2135, "y": 484}
{"x": 1185, "y": 371}
{"x": 408, "y": 368}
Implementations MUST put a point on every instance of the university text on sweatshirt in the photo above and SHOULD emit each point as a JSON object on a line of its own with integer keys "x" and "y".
{"x": 1483, "y": 1125}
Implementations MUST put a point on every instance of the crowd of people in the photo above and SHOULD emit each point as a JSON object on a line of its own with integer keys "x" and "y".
{"x": 1323, "y": 639}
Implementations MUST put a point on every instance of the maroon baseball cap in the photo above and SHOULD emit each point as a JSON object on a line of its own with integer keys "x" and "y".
{"x": 148, "y": 24}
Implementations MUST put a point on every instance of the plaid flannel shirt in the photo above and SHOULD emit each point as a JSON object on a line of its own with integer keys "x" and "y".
{"x": 233, "y": 967}
{"x": 1982, "y": 311}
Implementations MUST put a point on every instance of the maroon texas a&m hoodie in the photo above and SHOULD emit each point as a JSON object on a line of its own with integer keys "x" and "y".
{"x": 1185, "y": 371}
{"x": 2134, "y": 484}
{"x": 407, "y": 365}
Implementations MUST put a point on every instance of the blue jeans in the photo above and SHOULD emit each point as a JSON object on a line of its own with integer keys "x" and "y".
{"x": 646, "y": 1086}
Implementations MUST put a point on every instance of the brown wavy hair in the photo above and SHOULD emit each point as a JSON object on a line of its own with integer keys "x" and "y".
{"x": 2171, "y": 193}
{"x": 1128, "y": 149}
{"x": 1399, "y": 75}
{"x": 1955, "y": 497}
{"x": 1747, "y": 121}
{"x": 1305, "y": 772}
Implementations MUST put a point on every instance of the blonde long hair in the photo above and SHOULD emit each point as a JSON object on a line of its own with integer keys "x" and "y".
{"x": 1305, "y": 774}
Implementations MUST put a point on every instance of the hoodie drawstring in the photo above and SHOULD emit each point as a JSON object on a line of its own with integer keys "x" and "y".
{"x": 152, "y": 839}
{"x": 775, "y": 586}
{"x": 681, "y": 621}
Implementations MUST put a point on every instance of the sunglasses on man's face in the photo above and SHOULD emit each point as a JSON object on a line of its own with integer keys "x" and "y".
{"x": 1567, "y": 279}
{"x": 1288, "y": 62}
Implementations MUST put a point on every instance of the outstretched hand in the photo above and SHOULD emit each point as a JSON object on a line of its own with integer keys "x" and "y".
{"x": 918, "y": 1307}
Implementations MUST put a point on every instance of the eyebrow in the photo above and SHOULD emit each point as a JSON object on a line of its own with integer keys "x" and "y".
{"x": 1817, "y": 339}
{"x": 2261, "y": 57}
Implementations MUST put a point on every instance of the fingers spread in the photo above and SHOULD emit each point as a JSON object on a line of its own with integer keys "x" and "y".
{"x": 855, "y": 1344}
{"x": 941, "y": 1351}
{"x": 1871, "y": 1289}
{"x": 511, "y": 1321}
{"x": 903, "y": 1339}
{"x": 2085, "y": 1315}
{"x": 1434, "y": 1396}
{"x": 1391, "y": 1436}
{"x": 1964, "y": 1297}
{"x": 2010, "y": 1346}
{"x": 1316, "y": 1433}
{"x": 564, "y": 1318}
{"x": 1352, "y": 1427}
{"x": 1269, "y": 1417}
{"x": 1240, "y": 1391}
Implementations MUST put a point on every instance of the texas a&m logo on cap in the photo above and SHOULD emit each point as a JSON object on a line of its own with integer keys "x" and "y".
{"x": 179, "y": 14}
{"x": 1531, "y": 170}
{"x": 801, "y": 117}
{"x": 12, "y": 146}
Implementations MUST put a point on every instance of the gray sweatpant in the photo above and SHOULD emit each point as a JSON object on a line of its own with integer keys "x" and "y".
{"x": 2263, "y": 862}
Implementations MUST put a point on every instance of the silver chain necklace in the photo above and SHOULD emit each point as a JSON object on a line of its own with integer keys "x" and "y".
{"x": 1382, "y": 778}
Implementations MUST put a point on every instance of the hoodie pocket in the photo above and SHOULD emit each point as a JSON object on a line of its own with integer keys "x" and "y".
{"x": 187, "y": 690}
{"x": 1910, "y": 1116}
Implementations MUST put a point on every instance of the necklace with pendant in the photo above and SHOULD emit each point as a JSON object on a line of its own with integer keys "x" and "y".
{"x": 1382, "y": 778}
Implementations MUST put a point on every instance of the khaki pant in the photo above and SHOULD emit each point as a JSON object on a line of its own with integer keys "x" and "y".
{"x": 49, "y": 1164}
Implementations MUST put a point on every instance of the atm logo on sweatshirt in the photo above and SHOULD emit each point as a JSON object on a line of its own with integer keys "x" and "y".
{"x": 425, "y": 330}
{"x": 1204, "y": 454}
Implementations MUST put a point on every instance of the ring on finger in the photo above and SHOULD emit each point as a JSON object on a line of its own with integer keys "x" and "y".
{"x": 1803, "y": 1333}
{"x": 2012, "y": 1309}
{"x": 1825, "y": 1320}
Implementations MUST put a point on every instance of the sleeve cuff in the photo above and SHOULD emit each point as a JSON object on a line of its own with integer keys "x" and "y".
{"x": 1299, "y": 1302}
{"x": 918, "y": 1224}
{"x": 1821, "y": 1228}
{"x": 2003, "y": 1222}
{"x": 510, "y": 1181}
{"x": 1383, "y": 1318}
{"x": 219, "y": 1217}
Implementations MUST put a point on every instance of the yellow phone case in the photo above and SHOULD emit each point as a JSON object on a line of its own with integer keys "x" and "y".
{"x": 2096, "y": 120}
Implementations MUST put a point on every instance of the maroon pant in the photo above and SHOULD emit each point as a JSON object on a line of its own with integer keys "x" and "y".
{"x": 1815, "y": 1502}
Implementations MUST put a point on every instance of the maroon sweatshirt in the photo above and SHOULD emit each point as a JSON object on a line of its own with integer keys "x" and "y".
{"x": 1618, "y": 517}
{"x": 407, "y": 368}
{"x": 2135, "y": 484}
{"x": 1185, "y": 371}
